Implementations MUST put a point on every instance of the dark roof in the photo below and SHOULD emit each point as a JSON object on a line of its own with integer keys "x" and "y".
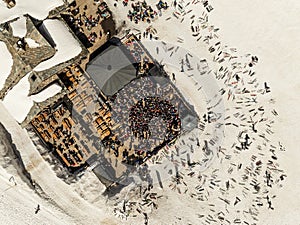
{"x": 112, "y": 69}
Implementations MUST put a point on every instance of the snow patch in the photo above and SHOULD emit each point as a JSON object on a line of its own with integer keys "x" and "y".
{"x": 19, "y": 27}
{"x": 6, "y": 63}
{"x": 32, "y": 43}
{"x": 67, "y": 47}
{"x": 45, "y": 94}
{"x": 38, "y": 9}
{"x": 18, "y": 103}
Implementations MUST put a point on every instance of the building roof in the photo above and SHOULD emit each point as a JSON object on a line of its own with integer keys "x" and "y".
{"x": 112, "y": 69}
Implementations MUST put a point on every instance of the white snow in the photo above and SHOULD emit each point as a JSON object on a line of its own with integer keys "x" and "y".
{"x": 18, "y": 103}
{"x": 44, "y": 95}
{"x": 184, "y": 84}
{"x": 66, "y": 45}
{"x": 67, "y": 200}
{"x": 6, "y": 63}
{"x": 32, "y": 43}
{"x": 19, "y": 27}
{"x": 38, "y": 9}
{"x": 24, "y": 203}
{"x": 268, "y": 29}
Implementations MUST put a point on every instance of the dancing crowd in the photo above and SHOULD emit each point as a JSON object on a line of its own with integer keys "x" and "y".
{"x": 147, "y": 111}
{"x": 143, "y": 112}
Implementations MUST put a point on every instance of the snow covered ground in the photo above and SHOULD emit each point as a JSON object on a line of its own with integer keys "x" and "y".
{"x": 32, "y": 43}
{"x": 19, "y": 27}
{"x": 6, "y": 63}
{"x": 19, "y": 203}
{"x": 267, "y": 29}
{"x": 18, "y": 103}
{"x": 38, "y": 9}
{"x": 67, "y": 47}
{"x": 62, "y": 194}
{"x": 271, "y": 30}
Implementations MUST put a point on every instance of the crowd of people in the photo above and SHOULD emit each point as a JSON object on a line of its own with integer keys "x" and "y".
{"x": 148, "y": 112}
{"x": 143, "y": 112}
{"x": 264, "y": 166}
{"x": 141, "y": 11}
{"x": 85, "y": 23}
